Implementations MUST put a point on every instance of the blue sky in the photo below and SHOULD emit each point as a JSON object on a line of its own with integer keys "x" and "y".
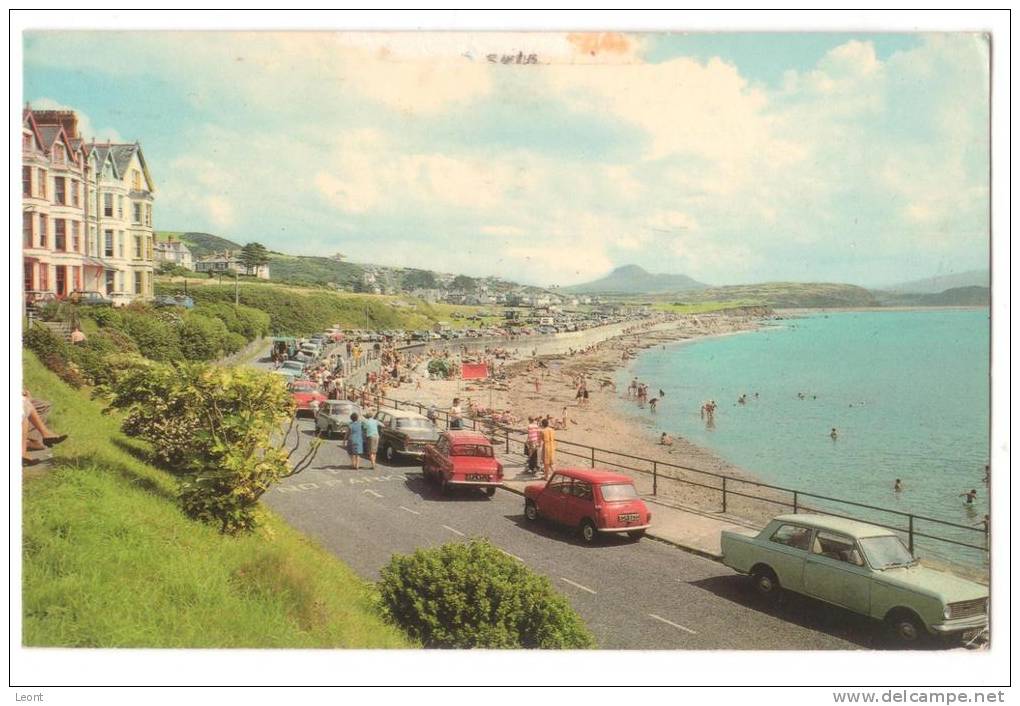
{"x": 729, "y": 157}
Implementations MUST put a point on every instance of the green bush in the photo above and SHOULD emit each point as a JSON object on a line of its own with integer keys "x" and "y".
{"x": 472, "y": 595}
{"x": 76, "y": 365}
{"x": 202, "y": 337}
{"x": 440, "y": 367}
{"x": 154, "y": 337}
{"x": 216, "y": 426}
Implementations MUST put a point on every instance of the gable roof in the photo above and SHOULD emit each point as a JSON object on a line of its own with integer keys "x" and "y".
{"x": 28, "y": 120}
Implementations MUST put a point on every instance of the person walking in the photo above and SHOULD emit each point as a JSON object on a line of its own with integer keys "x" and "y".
{"x": 371, "y": 430}
{"x": 355, "y": 441}
{"x": 534, "y": 440}
{"x": 455, "y": 414}
{"x": 548, "y": 437}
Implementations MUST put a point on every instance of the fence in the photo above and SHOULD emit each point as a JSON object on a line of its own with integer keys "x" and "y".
{"x": 729, "y": 488}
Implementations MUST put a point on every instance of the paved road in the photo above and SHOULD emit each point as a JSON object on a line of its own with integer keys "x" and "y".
{"x": 633, "y": 595}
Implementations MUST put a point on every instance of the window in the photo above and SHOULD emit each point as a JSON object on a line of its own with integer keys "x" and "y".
{"x": 75, "y": 198}
{"x": 137, "y": 216}
{"x": 26, "y": 181}
{"x": 120, "y": 243}
{"x": 44, "y": 278}
{"x": 120, "y": 207}
{"x": 837, "y": 547}
{"x": 59, "y": 234}
{"x": 60, "y": 191}
{"x": 108, "y": 205}
{"x": 139, "y": 283}
{"x": 792, "y": 536}
{"x": 26, "y": 230}
{"x": 108, "y": 243}
{"x": 75, "y": 237}
{"x": 886, "y": 551}
{"x": 58, "y": 154}
{"x": 61, "y": 280}
{"x": 148, "y": 214}
{"x": 618, "y": 491}
{"x": 136, "y": 180}
{"x": 42, "y": 183}
{"x": 43, "y": 230}
{"x": 582, "y": 490}
{"x": 110, "y": 279}
{"x": 478, "y": 450}
{"x": 29, "y": 277}
{"x": 559, "y": 484}
{"x": 26, "y": 141}
{"x": 138, "y": 247}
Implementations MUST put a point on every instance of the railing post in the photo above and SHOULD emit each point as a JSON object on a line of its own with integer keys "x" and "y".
{"x": 655, "y": 477}
{"x": 593, "y": 457}
{"x": 910, "y": 533}
{"x": 795, "y": 502}
{"x": 396, "y": 404}
{"x": 507, "y": 432}
{"x": 724, "y": 494}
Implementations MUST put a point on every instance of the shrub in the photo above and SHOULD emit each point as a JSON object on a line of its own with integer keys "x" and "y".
{"x": 440, "y": 367}
{"x": 106, "y": 317}
{"x": 154, "y": 337}
{"x": 202, "y": 337}
{"x": 472, "y": 595}
{"x": 217, "y": 426}
{"x": 71, "y": 364}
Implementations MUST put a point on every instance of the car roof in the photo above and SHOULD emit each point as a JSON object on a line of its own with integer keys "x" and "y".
{"x": 852, "y": 528}
{"x": 403, "y": 414}
{"x": 595, "y": 475}
{"x": 467, "y": 436}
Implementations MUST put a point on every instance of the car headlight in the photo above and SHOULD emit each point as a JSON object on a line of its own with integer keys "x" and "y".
{"x": 946, "y": 612}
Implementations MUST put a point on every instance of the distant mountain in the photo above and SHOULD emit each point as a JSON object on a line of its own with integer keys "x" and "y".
{"x": 941, "y": 283}
{"x": 200, "y": 244}
{"x": 632, "y": 279}
{"x": 957, "y": 296}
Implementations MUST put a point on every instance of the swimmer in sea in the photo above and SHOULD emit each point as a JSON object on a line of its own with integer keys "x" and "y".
{"x": 970, "y": 496}
{"x": 898, "y": 486}
{"x": 834, "y": 434}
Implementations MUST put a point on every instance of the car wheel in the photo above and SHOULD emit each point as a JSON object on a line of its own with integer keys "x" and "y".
{"x": 490, "y": 491}
{"x": 636, "y": 534}
{"x": 530, "y": 510}
{"x": 766, "y": 583}
{"x": 389, "y": 454}
{"x": 588, "y": 531}
{"x": 904, "y": 628}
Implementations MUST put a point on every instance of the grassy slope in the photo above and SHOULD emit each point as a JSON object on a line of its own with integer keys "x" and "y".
{"x": 109, "y": 560}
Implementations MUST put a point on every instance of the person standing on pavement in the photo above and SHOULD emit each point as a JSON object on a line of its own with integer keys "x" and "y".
{"x": 455, "y": 413}
{"x": 534, "y": 440}
{"x": 371, "y": 430}
{"x": 355, "y": 441}
{"x": 548, "y": 437}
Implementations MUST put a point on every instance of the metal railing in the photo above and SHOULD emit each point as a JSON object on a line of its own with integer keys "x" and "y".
{"x": 727, "y": 486}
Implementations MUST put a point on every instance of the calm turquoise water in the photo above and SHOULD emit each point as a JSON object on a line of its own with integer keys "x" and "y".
{"x": 908, "y": 392}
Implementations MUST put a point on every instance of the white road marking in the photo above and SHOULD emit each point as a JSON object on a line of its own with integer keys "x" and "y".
{"x": 373, "y": 493}
{"x": 407, "y": 509}
{"x": 669, "y": 622}
{"x": 513, "y": 556}
{"x": 577, "y": 585}
{"x": 454, "y": 531}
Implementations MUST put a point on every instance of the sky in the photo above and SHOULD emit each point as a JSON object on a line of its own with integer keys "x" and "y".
{"x": 731, "y": 158}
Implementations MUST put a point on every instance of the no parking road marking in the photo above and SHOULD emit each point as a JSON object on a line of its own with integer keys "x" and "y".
{"x": 668, "y": 622}
{"x": 334, "y": 482}
{"x": 577, "y": 585}
{"x": 453, "y": 530}
{"x": 373, "y": 493}
{"x": 407, "y": 509}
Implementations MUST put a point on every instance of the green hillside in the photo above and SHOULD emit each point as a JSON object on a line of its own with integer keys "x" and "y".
{"x": 787, "y": 295}
{"x": 109, "y": 559}
{"x": 200, "y": 244}
{"x": 304, "y": 269}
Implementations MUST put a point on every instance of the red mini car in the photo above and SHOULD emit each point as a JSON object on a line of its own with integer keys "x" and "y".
{"x": 591, "y": 500}
{"x": 462, "y": 457}
{"x": 304, "y": 392}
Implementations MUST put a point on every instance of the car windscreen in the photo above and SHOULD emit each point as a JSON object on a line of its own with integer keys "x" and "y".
{"x": 303, "y": 387}
{"x": 413, "y": 423}
{"x": 886, "y": 551}
{"x": 340, "y": 409}
{"x": 618, "y": 491}
{"x": 472, "y": 450}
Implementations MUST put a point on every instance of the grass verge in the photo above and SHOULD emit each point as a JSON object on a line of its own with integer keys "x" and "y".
{"x": 108, "y": 560}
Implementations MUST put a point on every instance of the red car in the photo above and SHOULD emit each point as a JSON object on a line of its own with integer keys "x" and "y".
{"x": 304, "y": 392}
{"x": 462, "y": 457}
{"x": 591, "y": 500}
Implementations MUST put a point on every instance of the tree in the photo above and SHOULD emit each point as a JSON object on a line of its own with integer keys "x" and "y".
{"x": 253, "y": 256}
{"x": 464, "y": 283}
{"x": 419, "y": 279}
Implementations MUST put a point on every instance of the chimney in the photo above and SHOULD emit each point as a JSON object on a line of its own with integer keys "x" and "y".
{"x": 66, "y": 119}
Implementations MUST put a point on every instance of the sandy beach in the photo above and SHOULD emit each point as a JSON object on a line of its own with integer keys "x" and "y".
{"x": 609, "y": 421}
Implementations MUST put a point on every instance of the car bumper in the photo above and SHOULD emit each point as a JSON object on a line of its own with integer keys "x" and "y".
{"x": 632, "y": 528}
{"x": 961, "y": 625}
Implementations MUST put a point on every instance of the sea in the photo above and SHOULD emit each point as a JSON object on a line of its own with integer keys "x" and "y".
{"x": 907, "y": 392}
